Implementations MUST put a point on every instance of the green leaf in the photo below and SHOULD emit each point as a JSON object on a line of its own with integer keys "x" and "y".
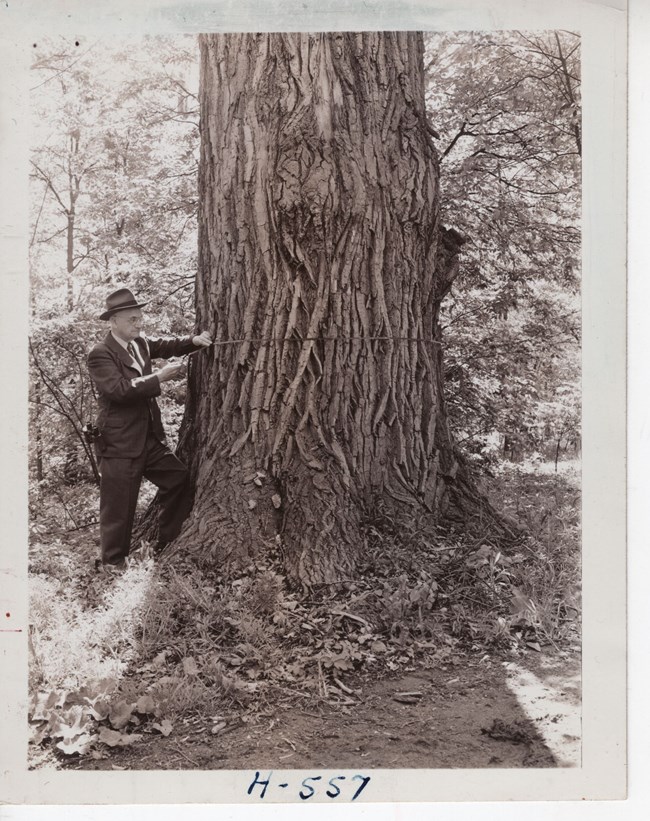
{"x": 114, "y": 739}
{"x": 109, "y": 737}
{"x": 38, "y": 733}
{"x": 120, "y": 714}
{"x": 79, "y": 745}
{"x": 103, "y": 686}
{"x": 99, "y": 709}
{"x": 70, "y": 724}
{"x": 520, "y": 603}
{"x": 43, "y": 705}
{"x": 145, "y": 705}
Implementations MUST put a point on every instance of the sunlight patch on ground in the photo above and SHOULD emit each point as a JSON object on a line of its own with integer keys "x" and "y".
{"x": 566, "y": 467}
{"x": 71, "y": 644}
{"x": 552, "y": 702}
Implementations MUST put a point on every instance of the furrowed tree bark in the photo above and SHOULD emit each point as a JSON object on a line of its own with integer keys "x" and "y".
{"x": 321, "y": 270}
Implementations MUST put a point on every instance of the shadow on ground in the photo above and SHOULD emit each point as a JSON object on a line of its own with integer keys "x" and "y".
{"x": 465, "y": 718}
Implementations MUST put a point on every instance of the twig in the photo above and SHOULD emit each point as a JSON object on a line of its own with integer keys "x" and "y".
{"x": 296, "y": 692}
{"x": 347, "y": 702}
{"x": 342, "y": 686}
{"x": 351, "y": 616}
{"x": 191, "y": 760}
{"x": 74, "y": 529}
{"x": 322, "y": 684}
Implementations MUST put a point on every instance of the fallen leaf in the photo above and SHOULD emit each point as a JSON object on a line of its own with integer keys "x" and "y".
{"x": 70, "y": 724}
{"x": 160, "y": 659}
{"x": 120, "y": 714}
{"x": 189, "y": 666}
{"x": 43, "y": 705}
{"x": 109, "y": 737}
{"x": 234, "y": 661}
{"x": 79, "y": 745}
{"x": 218, "y": 727}
{"x": 407, "y": 698}
{"x": 76, "y": 697}
{"x": 165, "y": 727}
{"x": 99, "y": 709}
{"x": 114, "y": 739}
{"x": 102, "y": 686}
{"x": 145, "y": 705}
{"x": 38, "y": 734}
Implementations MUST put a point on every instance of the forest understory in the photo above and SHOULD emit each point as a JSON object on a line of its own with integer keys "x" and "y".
{"x": 444, "y": 649}
{"x": 441, "y": 652}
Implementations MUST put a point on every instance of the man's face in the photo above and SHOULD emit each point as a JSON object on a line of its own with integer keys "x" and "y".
{"x": 127, "y": 324}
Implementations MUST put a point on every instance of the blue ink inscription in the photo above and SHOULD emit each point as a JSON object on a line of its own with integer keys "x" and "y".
{"x": 312, "y": 791}
{"x": 334, "y": 786}
{"x": 309, "y": 787}
{"x": 364, "y": 782}
{"x": 263, "y": 784}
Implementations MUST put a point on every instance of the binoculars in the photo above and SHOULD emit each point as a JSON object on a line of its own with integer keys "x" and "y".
{"x": 91, "y": 433}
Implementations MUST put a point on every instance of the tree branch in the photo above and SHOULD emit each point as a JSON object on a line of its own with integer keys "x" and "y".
{"x": 46, "y": 179}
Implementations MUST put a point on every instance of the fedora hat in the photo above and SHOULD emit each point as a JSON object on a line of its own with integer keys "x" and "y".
{"x": 120, "y": 300}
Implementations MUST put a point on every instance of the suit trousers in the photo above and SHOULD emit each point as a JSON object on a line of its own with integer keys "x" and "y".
{"x": 118, "y": 496}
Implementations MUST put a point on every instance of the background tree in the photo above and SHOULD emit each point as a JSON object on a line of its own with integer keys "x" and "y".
{"x": 510, "y": 171}
{"x": 114, "y": 155}
{"x": 316, "y": 429}
{"x": 321, "y": 269}
{"x": 509, "y": 175}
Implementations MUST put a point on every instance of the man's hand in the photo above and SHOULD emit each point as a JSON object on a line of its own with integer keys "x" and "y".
{"x": 170, "y": 371}
{"x": 203, "y": 340}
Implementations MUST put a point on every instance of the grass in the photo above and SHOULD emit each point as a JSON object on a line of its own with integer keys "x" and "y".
{"x": 548, "y": 505}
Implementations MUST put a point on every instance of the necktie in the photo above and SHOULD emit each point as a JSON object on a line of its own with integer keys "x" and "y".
{"x": 131, "y": 348}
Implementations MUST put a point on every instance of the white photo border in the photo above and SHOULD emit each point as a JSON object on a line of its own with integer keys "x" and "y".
{"x": 603, "y": 27}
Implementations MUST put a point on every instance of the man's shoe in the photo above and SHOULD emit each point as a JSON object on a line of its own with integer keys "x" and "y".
{"x": 116, "y": 568}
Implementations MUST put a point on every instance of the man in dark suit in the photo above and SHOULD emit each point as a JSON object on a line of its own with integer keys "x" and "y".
{"x": 132, "y": 440}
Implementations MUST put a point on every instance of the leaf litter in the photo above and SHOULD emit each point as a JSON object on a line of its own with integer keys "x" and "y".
{"x": 250, "y": 643}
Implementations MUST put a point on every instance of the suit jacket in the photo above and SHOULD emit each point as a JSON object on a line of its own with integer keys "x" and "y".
{"x": 126, "y": 399}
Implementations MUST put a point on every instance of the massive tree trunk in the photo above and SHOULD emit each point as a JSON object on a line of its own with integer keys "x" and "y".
{"x": 322, "y": 264}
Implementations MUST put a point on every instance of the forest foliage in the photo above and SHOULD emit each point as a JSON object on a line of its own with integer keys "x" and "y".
{"x": 114, "y": 159}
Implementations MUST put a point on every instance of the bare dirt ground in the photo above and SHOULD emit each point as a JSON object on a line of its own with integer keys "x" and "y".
{"x": 460, "y": 718}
